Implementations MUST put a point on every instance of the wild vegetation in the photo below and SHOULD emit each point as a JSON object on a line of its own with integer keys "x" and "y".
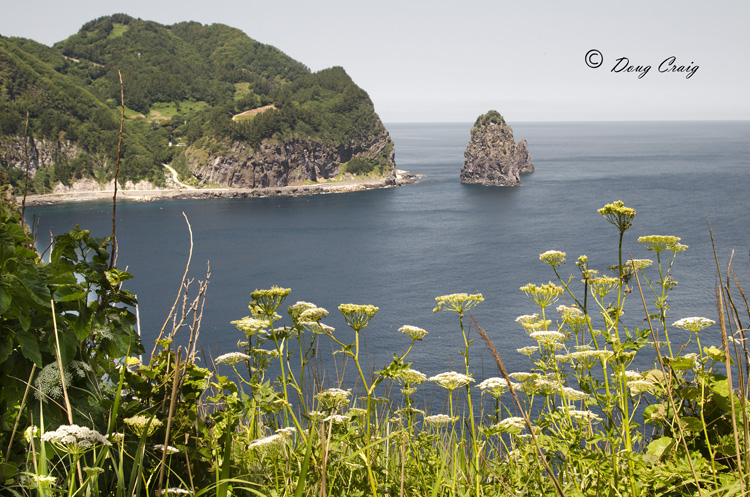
{"x": 613, "y": 403}
{"x": 182, "y": 85}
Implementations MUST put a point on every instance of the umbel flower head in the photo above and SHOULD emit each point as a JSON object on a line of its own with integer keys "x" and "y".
{"x": 232, "y": 358}
{"x": 458, "y": 302}
{"x": 358, "y": 316}
{"x": 333, "y": 397}
{"x": 411, "y": 377}
{"x": 553, "y": 257}
{"x": 413, "y": 332}
{"x": 602, "y": 285}
{"x": 452, "y": 380}
{"x": 298, "y": 308}
{"x": 74, "y": 439}
{"x": 266, "y": 302}
{"x": 694, "y": 324}
{"x": 618, "y": 215}
{"x": 251, "y": 326}
{"x": 659, "y": 243}
{"x": 143, "y": 425}
{"x": 543, "y": 295}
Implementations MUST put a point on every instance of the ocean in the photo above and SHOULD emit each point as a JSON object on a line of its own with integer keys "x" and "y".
{"x": 400, "y": 248}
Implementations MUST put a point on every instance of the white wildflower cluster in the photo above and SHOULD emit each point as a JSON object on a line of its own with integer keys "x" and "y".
{"x": 458, "y": 302}
{"x": 143, "y": 425}
{"x": 573, "y": 317}
{"x": 232, "y": 358}
{"x": 313, "y": 314}
{"x": 405, "y": 411}
{"x": 694, "y": 324}
{"x": 93, "y": 471}
{"x": 587, "y": 358}
{"x": 581, "y": 416}
{"x": 333, "y": 397}
{"x": 318, "y": 328}
{"x": 638, "y": 264}
{"x": 529, "y": 321}
{"x": 527, "y": 351}
{"x": 548, "y": 338}
{"x": 533, "y": 383}
{"x": 74, "y": 439}
{"x": 603, "y": 285}
{"x": 638, "y": 387}
{"x": 543, "y": 295}
{"x": 512, "y": 424}
{"x": 298, "y": 308}
{"x": 355, "y": 412}
{"x": 438, "y": 419}
{"x": 48, "y": 381}
{"x": 413, "y": 332}
{"x": 251, "y": 326}
{"x": 315, "y": 415}
{"x": 357, "y": 316}
{"x": 553, "y": 257}
{"x": 267, "y": 442}
{"x": 659, "y": 243}
{"x": 573, "y": 394}
{"x": 495, "y": 386}
{"x": 411, "y": 377}
{"x": 175, "y": 491}
{"x": 452, "y": 380}
{"x": 337, "y": 419}
{"x": 43, "y": 480}
{"x": 169, "y": 449}
{"x": 288, "y": 431}
{"x": 269, "y": 353}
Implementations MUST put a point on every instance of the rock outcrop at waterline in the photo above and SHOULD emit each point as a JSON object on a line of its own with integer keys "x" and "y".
{"x": 278, "y": 163}
{"x": 492, "y": 157}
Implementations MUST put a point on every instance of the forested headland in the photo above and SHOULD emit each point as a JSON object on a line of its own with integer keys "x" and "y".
{"x": 184, "y": 87}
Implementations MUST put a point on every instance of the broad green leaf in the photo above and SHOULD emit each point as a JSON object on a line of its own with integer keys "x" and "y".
{"x": 680, "y": 363}
{"x": 717, "y": 354}
{"x": 691, "y": 423}
{"x": 4, "y": 299}
{"x": 29, "y": 346}
{"x": 115, "y": 276}
{"x": 69, "y": 293}
{"x": 659, "y": 446}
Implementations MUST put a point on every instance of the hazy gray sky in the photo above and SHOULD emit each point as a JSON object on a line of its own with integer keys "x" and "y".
{"x": 450, "y": 60}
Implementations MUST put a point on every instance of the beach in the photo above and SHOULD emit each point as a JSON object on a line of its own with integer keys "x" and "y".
{"x": 351, "y": 185}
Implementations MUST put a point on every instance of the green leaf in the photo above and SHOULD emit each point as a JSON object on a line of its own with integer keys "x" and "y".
{"x": 29, "y": 346}
{"x": 69, "y": 293}
{"x": 691, "y": 423}
{"x": 4, "y": 299}
{"x": 717, "y": 355}
{"x": 689, "y": 393}
{"x": 680, "y": 363}
{"x": 115, "y": 276}
{"x": 660, "y": 446}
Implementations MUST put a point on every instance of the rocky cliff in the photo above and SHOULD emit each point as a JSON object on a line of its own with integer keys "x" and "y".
{"x": 294, "y": 161}
{"x": 492, "y": 157}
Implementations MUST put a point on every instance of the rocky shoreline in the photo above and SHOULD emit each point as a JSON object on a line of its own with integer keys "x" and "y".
{"x": 401, "y": 178}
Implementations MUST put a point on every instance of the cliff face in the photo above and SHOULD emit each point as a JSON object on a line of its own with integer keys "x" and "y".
{"x": 492, "y": 156}
{"x": 278, "y": 163}
{"x": 42, "y": 153}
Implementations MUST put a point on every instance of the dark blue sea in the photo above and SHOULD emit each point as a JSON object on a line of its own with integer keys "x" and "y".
{"x": 400, "y": 248}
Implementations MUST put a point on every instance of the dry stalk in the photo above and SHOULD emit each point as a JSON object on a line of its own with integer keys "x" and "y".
{"x": 113, "y": 261}
{"x": 525, "y": 416}
{"x": 667, "y": 378}
{"x": 727, "y": 359}
{"x": 26, "y": 155}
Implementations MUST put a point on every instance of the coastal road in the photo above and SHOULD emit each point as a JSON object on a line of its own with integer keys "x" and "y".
{"x": 176, "y": 179}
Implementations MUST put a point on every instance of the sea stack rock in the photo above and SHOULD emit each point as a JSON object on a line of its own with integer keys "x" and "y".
{"x": 492, "y": 157}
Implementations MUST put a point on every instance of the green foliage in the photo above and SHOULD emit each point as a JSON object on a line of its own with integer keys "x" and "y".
{"x": 74, "y": 299}
{"x": 182, "y": 83}
{"x": 491, "y": 117}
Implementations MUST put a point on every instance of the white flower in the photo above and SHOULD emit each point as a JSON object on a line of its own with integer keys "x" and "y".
{"x": 139, "y": 424}
{"x": 413, "y": 332}
{"x": 438, "y": 419}
{"x": 452, "y": 380}
{"x": 496, "y": 386}
{"x": 573, "y": 394}
{"x": 74, "y": 439}
{"x": 579, "y": 416}
{"x": 337, "y": 419}
{"x": 528, "y": 351}
{"x": 169, "y": 449}
{"x": 411, "y": 377}
{"x": 176, "y": 491}
{"x": 694, "y": 324}
{"x": 313, "y": 314}
{"x": 511, "y": 425}
{"x": 547, "y": 337}
{"x": 334, "y": 397}
{"x": 552, "y": 257}
{"x": 232, "y": 358}
{"x": 266, "y": 442}
{"x": 286, "y": 432}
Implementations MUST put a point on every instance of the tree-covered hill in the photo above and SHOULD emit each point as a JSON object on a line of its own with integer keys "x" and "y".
{"x": 182, "y": 86}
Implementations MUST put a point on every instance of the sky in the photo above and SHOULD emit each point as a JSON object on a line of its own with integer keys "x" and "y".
{"x": 449, "y": 61}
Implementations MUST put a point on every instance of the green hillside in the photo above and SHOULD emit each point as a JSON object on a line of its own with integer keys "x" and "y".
{"x": 182, "y": 86}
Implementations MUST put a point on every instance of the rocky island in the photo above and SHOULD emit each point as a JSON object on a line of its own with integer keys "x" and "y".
{"x": 492, "y": 157}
